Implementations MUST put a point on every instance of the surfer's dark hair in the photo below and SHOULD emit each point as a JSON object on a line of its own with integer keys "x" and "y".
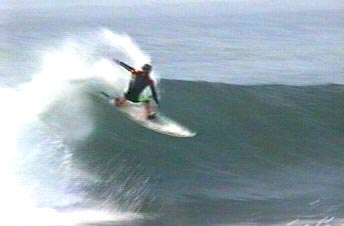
{"x": 147, "y": 67}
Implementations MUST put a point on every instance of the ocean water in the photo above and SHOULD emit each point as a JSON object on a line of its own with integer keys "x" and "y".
{"x": 264, "y": 91}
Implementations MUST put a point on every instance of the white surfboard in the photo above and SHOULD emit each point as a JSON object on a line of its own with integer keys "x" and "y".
{"x": 161, "y": 123}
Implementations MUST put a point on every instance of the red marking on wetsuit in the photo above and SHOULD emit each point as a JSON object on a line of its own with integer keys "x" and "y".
{"x": 151, "y": 81}
{"x": 136, "y": 72}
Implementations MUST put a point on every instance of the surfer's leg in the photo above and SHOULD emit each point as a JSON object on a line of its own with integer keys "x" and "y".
{"x": 150, "y": 114}
{"x": 121, "y": 101}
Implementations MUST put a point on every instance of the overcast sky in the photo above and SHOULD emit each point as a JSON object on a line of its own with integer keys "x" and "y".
{"x": 243, "y": 5}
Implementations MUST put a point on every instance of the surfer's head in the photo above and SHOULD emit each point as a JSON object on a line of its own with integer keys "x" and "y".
{"x": 147, "y": 68}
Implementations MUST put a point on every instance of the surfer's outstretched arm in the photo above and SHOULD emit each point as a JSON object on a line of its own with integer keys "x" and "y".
{"x": 126, "y": 66}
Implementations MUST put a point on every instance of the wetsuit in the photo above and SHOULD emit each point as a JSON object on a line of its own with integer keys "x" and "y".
{"x": 139, "y": 81}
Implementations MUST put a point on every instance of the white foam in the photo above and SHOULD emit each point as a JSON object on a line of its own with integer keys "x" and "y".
{"x": 55, "y": 82}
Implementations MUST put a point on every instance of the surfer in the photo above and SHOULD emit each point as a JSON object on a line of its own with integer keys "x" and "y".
{"x": 140, "y": 80}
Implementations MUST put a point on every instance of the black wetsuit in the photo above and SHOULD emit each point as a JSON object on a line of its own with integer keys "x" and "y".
{"x": 139, "y": 81}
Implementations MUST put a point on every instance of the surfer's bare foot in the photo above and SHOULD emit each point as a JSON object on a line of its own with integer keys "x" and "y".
{"x": 120, "y": 102}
